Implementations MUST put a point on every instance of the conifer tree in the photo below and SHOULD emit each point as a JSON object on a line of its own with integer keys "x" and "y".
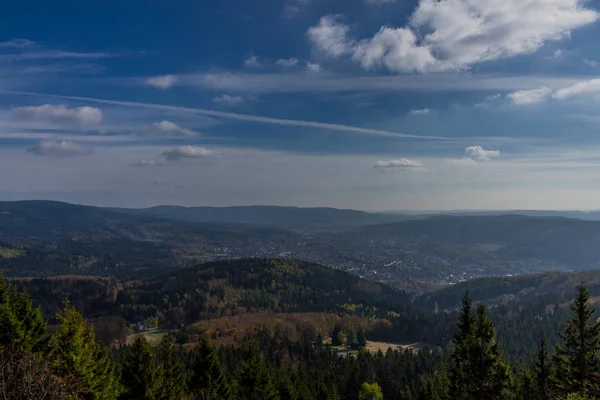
{"x": 542, "y": 370}
{"x": 173, "y": 370}
{"x": 490, "y": 374}
{"x": 576, "y": 364}
{"x": 459, "y": 374}
{"x": 254, "y": 378}
{"x": 141, "y": 375}
{"x": 22, "y": 326}
{"x": 208, "y": 379}
{"x": 74, "y": 352}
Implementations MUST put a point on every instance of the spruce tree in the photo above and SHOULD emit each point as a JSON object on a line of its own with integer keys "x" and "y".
{"x": 370, "y": 391}
{"x": 254, "y": 378}
{"x": 208, "y": 379}
{"x": 173, "y": 370}
{"x": 74, "y": 352}
{"x": 141, "y": 375}
{"x": 576, "y": 364}
{"x": 542, "y": 370}
{"x": 22, "y": 326}
{"x": 489, "y": 373}
{"x": 459, "y": 374}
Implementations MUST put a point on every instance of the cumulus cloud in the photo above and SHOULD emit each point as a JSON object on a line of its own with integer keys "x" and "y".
{"x": 478, "y": 153}
{"x": 578, "y": 89}
{"x": 182, "y": 152}
{"x": 313, "y": 67}
{"x": 59, "y": 149}
{"x": 400, "y": 164}
{"x": 252, "y": 62}
{"x": 61, "y": 115}
{"x": 422, "y": 111}
{"x": 287, "y": 62}
{"x": 166, "y": 128}
{"x": 330, "y": 36}
{"x": 162, "y": 82}
{"x": 144, "y": 163}
{"x": 455, "y": 34}
{"x": 532, "y": 96}
{"x": 228, "y": 100}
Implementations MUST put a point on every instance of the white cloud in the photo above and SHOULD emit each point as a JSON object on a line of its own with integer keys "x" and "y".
{"x": 252, "y": 61}
{"x": 525, "y": 97}
{"x": 59, "y": 149}
{"x": 144, "y": 163}
{"x": 331, "y": 36}
{"x": 17, "y": 43}
{"x": 455, "y": 34}
{"x": 422, "y": 111}
{"x": 162, "y": 82}
{"x": 188, "y": 152}
{"x": 478, "y": 153}
{"x": 228, "y": 100}
{"x": 287, "y": 62}
{"x": 558, "y": 54}
{"x": 591, "y": 63}
{"x": 166, "y": 128}
{"x": 61, "y": 115}
{"x": 487, "y": 102}
{"x": 400, "y": 164}
{"x": 313, "y": 67}
{"x": 581, "y": 88}
{"x": 293, "y": 8}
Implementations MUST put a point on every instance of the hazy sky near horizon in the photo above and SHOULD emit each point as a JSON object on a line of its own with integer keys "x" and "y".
{"x": 364, "y": 104}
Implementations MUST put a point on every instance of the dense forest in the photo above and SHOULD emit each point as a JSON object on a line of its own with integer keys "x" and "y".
{"x": 68, "y": 363}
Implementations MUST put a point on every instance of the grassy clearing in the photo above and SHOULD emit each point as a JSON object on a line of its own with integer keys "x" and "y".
{"x": 374, "y": 347}
{"x": 10, "y": 253}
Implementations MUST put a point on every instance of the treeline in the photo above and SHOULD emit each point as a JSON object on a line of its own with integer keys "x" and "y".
{"x": 68, "y": 363}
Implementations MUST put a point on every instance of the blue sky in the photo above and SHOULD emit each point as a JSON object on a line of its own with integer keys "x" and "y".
{"x": 366, "y": 104}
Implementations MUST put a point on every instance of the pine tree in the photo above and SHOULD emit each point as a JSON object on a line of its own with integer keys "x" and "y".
{"x": 141, "y": 375}
{"x": 254, "y": 378}
{"x": 490, "y": 375}
{"x": 74, "y": 352}
{"x": 22, "y": 327}
{"x": 542, "y": 371}
{"x": 362, "y": 339}
{"x": 173, "y": 370}
{"x": 336, "y": 336}
{"x": 459, "y": 375}
{"x": 576, "y": 365}
{"x": 208, "y": 379}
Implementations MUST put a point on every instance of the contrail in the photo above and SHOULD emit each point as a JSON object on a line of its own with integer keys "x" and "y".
{"x": 235, "y": 116}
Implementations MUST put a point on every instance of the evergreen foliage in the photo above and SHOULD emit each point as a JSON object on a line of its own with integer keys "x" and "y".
{"x": 141, "y": 374}
{"x": 208, "y": 378}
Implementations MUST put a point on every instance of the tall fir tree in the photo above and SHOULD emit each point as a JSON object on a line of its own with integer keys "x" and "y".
{"x": 459, "y": 374}
{"x": 542, "y": 370}
{"x": 22, "y": 326}
{"x": 576, "y": 364}
{"x": 489, "y": 373}
{"x": 73, "y": 351}
{"x": 254, "y": 378}
{"x": 208, "y": 379}
{"x": 141, "y": 375}
{"x": 173, "y": 370}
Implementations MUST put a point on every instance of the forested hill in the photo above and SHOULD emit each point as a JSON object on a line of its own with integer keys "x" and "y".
{"x": 544, "y": 288}
{"x": 293, "y": 218}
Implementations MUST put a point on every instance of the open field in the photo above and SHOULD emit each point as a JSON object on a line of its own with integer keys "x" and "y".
{"x": 374, "y": 347}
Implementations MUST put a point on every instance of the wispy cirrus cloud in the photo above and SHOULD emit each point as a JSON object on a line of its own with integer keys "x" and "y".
{"x": 228, "y": 100}
{"x": 478, "y": 153}
{"x": 532, "y": 96}
{"x": 420, "y": 111}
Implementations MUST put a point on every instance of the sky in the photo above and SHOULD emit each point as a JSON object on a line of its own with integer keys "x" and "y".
{"x": 364, "y": 104}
